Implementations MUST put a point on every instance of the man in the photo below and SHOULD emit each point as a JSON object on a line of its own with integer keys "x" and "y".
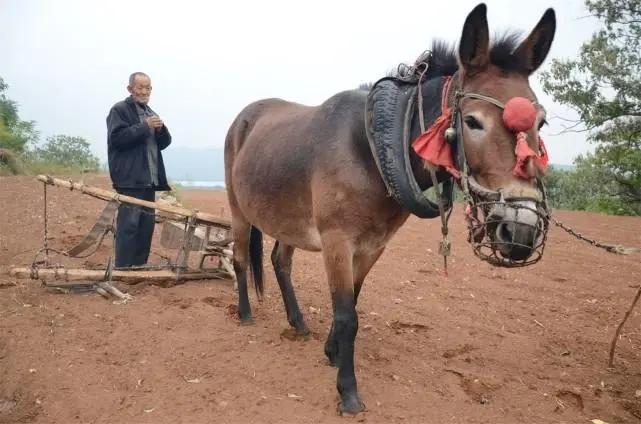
{"x": 135, "y": 138}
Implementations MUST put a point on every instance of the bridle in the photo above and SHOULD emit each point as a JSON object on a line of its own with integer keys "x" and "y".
{"x": 481, "y": 201}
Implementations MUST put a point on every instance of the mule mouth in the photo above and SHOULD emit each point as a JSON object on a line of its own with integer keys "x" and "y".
{"x": 515, "y": 241}
{"x": 508, "y": 233}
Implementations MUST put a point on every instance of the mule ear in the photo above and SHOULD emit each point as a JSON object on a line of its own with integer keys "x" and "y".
{"x": 473, "y": 51}
{"x": 534, "y": 49}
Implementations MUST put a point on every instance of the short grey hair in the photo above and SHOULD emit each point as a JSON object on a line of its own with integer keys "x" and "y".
{"x": 132, "y": 77}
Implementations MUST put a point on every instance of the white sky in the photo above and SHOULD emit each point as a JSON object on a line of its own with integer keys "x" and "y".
{"x": 67, "y": 61}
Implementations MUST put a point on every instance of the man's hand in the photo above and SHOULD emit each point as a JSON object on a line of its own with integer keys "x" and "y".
{"x": 154, "y": 122}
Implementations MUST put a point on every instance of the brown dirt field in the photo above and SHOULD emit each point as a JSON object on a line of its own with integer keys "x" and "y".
{"x": 484, "y": 345}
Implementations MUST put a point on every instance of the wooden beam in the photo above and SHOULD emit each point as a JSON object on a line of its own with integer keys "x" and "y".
{"x": 106, "y": 286}
{"x": 103, "y": 194}
{"x": 74, "y": 274}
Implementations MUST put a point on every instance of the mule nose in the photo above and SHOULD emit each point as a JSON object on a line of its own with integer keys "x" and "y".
{"x": 516, "y": 240}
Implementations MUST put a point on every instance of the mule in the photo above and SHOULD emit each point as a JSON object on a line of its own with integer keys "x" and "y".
{"x": 307, "y": 176}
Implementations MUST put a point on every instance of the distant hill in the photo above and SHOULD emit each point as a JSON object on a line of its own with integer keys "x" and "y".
{"x": 194, "y": 164}
{"x": 562, "y": 167}
{"x": 207, "y": 164}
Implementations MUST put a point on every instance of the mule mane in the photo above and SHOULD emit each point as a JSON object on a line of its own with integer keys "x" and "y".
{"x": 442, "y": 58}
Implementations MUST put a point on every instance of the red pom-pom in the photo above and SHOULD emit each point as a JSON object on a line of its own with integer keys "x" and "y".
{"x": 519, "y": 114}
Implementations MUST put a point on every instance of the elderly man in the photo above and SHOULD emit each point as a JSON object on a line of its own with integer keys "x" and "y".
{"x": 136, "y": 136}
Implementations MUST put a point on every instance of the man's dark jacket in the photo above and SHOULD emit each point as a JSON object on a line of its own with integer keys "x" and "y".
{"x": 127, "y": 148}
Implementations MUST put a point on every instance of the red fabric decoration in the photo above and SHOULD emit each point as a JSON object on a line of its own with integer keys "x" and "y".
{"x": 431, "y": 145}
{"x": 519, "y": 114}
{"x": 524, "y": 152}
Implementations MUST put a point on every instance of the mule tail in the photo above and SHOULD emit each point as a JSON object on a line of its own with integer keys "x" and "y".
{"x": 256, "y": 260}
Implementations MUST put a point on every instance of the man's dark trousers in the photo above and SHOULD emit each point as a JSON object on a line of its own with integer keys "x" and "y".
{"x": 134, "y": 229}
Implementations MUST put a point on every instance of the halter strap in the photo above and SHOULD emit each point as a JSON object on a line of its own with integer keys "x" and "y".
{"x": 497, "y": 103}
{"x": 462, "y": 94}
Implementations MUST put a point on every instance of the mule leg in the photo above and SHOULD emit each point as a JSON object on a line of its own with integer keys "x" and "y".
{"x": 363, "y": 263}
{"x": 338, "y": 265}
{"x": 331, "y": 347}
{"x": 282, "y": 261}
{"x": 241, "y": 230}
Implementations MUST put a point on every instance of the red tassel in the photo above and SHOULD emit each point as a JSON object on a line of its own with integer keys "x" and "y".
{"x": 543, "y": 159}
{"x": 523, "y": 154}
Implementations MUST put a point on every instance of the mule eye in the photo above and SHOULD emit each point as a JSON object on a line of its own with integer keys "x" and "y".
{"x": 472, "y": 123}
{"x": 543, "y": 122}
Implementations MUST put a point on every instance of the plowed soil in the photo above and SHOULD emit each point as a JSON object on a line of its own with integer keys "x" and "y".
{"x": 483, "y": 345}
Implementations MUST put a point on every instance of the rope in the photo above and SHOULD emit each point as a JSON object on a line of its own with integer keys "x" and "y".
{"x": 420, "y": 101}
{"x": 445, "y": 247}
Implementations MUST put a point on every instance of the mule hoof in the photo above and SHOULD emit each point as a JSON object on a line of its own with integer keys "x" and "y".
{"x": 350, "y": 406}
{"x": 305, "y": 337}
{"x": 303, "y": 332}
{"x": 294, "y": 336}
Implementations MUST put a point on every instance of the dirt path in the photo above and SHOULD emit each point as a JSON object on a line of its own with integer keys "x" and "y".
{"x": 485, "y": 345}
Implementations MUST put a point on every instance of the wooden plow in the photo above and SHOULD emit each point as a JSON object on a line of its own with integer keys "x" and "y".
{"x": 183, "y": 230}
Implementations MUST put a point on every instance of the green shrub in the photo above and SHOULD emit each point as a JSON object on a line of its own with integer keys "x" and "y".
{"x": 10, "y": 163}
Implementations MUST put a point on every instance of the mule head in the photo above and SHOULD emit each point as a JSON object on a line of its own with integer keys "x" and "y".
{"x": 499, "y": 120}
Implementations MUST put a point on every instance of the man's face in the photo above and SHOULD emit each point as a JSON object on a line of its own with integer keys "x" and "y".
{"x": 141, "y": 89}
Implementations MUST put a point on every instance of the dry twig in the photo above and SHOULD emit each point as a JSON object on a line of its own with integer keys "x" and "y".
{"x": 616, "y": 334}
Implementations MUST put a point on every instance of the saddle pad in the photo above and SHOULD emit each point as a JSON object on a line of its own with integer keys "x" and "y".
{"x": 388, "y": 120}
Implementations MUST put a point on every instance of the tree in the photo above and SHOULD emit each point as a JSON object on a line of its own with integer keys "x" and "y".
{"x": 20, "y": 152}
{"x": 588, "y": 186}
{"x": 67, "y": 151}
{"x": 15, "y": 134}
{"x": 604, "y": 87}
